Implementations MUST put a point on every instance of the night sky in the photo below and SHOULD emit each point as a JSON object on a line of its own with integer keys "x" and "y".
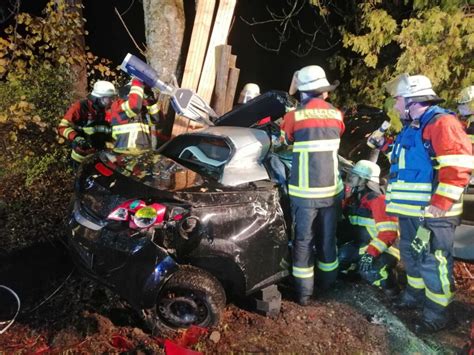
{"x": 108, "y": 38}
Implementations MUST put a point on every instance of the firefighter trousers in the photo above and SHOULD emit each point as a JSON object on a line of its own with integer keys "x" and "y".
{"x": 315, "y": 235}
{"x": 429, "y": 273}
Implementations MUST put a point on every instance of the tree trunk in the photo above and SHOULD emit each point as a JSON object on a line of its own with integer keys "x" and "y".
{"x": 78, "y": 50}
{"x": 164, "y": 30}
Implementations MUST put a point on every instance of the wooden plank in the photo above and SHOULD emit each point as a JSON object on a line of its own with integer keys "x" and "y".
{"x": 198, "y": 44}
{"x": 233, "y": 61}
{"x": 219, "y": 35}
{"x": 195, "y": 57}
{"x": 222, "y": 74}
{"x": 231, "y": 87}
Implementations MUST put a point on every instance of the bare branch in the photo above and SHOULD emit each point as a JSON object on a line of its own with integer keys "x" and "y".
{"x": 128, "y": 8}
{"x": 142, "y": 51}
{"x": 9, "y": 10}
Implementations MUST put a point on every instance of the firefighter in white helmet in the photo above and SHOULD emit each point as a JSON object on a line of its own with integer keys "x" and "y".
{"x": 370, "y": 234}
{"x": 315, "y": 187}
{"x": 466, "y": 110}
{"x": 84, "y": 124}
{"x": 249, "y": 91}
{"x": 431, "y": 163}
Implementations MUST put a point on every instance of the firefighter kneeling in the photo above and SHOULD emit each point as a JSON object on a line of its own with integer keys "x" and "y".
{"x": 372, "y": 232}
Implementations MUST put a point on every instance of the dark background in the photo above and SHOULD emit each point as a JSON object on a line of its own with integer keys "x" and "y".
{"x": 108, "y": 38}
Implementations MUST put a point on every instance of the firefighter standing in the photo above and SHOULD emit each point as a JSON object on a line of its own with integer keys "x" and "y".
{"x": 372, "y": 231}
{"x": 430, "y": 166}
{"x": 133, "y": 119}
{"x": 84, "y": 124}
{"x": 315, "y": 186}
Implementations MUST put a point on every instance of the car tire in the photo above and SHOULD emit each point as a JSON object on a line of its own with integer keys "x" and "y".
{"x": 191, "y": 296}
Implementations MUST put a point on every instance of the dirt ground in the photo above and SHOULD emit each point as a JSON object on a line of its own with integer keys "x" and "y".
{"x": 62, "y": 311}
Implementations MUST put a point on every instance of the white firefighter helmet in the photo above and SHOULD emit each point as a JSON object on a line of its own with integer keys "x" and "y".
{"x": 367, "y": 170}
{"x": 249, "y": 92}
{"x": 466, "y": 101}
{"x": 103, "y": 88}
{"x": 311, "y": 78}
{"x": 418, "y": 88}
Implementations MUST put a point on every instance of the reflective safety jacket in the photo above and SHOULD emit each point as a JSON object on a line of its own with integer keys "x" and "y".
{"x": 85, "y": 118}
{"x": 315, "y": 131}
{"x": 133, "y": 121}
{"x": 430, "y": 164}
{"x": 379, "y": 231}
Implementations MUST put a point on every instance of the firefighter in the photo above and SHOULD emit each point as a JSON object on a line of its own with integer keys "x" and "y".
{"x": 466, "y": 110}
{"x": 84, "y": 124}
{"x": 430, "y": 166}
{"x": 372, "y": 231}
{"x": 249, "y": 91}
{"x": 133, "y": 117}
{"x": 315, "y": 187}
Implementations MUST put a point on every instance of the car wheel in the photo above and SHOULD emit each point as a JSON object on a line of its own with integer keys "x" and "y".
{"x": 190, "y": 297}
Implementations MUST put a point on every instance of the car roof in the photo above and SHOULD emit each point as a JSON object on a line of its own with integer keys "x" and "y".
{"x": 249, "y": 148}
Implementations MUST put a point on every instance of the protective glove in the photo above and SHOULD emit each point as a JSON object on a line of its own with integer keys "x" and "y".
{"x": 421, "y": 242}
{"x": 80, "y": 143}
{"x": 366, "y": 262}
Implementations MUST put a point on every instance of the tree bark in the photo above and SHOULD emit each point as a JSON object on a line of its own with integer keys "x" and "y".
{"x": 164, "y": 31}
{"x": 78, "y": 50}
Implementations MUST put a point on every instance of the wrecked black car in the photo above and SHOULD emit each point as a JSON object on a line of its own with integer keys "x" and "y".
{"x": 174, "y": 231}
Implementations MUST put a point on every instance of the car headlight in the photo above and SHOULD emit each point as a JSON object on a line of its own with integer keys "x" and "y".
{"x": 145, "y": 217}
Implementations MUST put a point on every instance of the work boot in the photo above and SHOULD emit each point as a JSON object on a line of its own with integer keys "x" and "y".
{"x": 302, "y": 300}
{"x": 406, "y": 301}
{"x": 429, "y": 327}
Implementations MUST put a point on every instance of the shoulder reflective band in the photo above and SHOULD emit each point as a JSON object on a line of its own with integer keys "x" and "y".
{"x": 324, "y": 145}
{"x": 317, "y": 113}
{"x": 461, "y": 161}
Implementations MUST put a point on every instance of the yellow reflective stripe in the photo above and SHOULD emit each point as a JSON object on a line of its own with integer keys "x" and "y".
{"x": 324, "y": 145}
{"x": 153, "y": 109}
{"x": 394, "y": 252}
{"x": 401, "y": 160}
{"x": 450, "y": 191}
{"x": 409, "y": 196}
{"x": 77, "y": 157}
{"x": 363, "y": 250}
{"x": 416, "y": 282}
{"x": 130, "y": 127}
{"x": 68, "y": 131}
{"x": 379, "y": 245}
{"x": 458, "y": 160}
{"x": 387, "y": 226}
{"x": 471, "y": 137}
{"x": 128, "y": 111}
{"x": 327, "y": 267}
{"x": 383, "y": 276}
{"x": 315, "y": 192}
{"x": 136, "y": 90}
{"x": 443, "y": 272}
{"x": 303, "y": 272}
{"x": 416, "y": 211}
{"x": 317, "y": 113}
{"x": 301, "y": 169}
{"x": 361, "y": 221}
{"x": 409, "y": 186}
{"x": 441, "y": 299}
{"x": 65, "y": 122}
